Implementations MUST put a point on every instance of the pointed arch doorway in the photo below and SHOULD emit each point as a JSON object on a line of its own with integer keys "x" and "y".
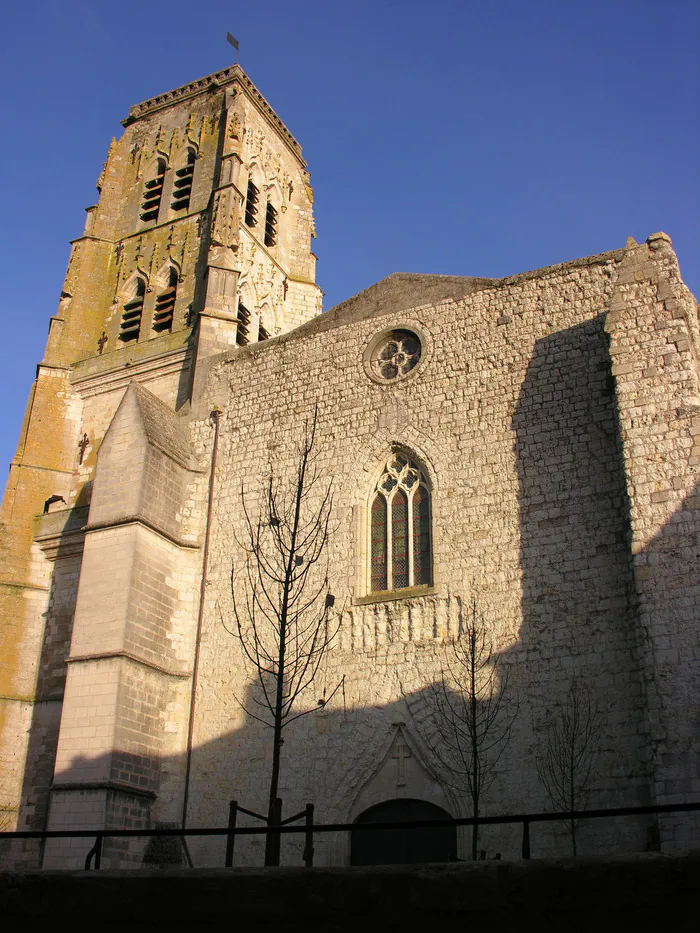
{"x": 403, "y": 846}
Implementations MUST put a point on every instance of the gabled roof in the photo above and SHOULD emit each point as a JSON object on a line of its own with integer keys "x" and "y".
{"x": 398, "y": 292}
{"x": 403, "y": 291}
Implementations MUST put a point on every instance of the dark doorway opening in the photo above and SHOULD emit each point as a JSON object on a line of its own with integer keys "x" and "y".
{"x": 403, "y": 846}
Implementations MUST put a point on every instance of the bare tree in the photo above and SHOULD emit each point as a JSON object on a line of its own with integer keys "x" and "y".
{"x": 283, "y": 616}
{"x": 469, "y": 712}
{"x": 566, "y": 767}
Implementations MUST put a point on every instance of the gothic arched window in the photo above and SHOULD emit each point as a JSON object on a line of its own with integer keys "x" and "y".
{"x": 400, "y": 527}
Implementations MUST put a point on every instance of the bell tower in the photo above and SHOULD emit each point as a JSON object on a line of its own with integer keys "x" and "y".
{"x": 199, "y": 244}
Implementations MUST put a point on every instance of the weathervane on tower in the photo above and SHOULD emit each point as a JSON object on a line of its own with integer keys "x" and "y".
{"x": 234, "y": 42}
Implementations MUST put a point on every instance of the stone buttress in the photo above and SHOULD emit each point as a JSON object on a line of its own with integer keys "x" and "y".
{"x": 654, "y": 347}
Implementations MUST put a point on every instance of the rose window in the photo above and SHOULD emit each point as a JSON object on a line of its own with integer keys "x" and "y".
{"x": 395, "y": 355}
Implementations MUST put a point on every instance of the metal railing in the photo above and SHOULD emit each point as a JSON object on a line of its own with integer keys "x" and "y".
{"x": 310, "y": 828}
{"x": 307, "y": 814}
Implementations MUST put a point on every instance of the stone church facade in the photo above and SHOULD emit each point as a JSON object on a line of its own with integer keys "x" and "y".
{"x": 526, "y": 443}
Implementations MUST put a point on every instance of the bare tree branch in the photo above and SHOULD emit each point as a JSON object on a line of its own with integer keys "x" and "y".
{"x": 566, "y": 766}
{"x": 285, "y": 620}
{"x": 469, "y": 713}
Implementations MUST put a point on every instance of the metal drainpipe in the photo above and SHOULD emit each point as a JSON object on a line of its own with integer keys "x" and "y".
{"x": 216, "y": 415}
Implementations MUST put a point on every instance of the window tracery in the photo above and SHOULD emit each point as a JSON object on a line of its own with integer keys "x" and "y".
{"x": 394, "y": 355}
{"x": 400, "y": 548}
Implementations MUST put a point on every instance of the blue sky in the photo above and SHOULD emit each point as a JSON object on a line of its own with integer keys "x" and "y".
{"x": 468, "y": 138}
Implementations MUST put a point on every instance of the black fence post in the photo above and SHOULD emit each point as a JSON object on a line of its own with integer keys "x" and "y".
{"x": 309, "y": 841}
{"x": 231, "y": 837}
{"x": 526, "y": 839}
{"x": 95, "y": 851}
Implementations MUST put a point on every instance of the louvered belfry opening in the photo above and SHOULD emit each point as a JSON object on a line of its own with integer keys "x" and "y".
{"x": 270, "y": 225}
{"x": 153, "y": 193}
{"x": 182, "y": 186}
{"x": 243, "y": 332}
{"x": 165, "y": 305}
{"x": 251, "y": 204}
{"x": 130, "y": 327}
{"x": 262, "y": 333}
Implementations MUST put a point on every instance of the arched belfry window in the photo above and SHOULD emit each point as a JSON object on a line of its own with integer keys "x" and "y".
{"x": 132, "y": 312}
{"x": 165, "y": 303}
{"x": 243, "y": 328}
{"x": 153, "y": 191}
{"x": 400, "y": 550}
{"x": 182, "y": 183}
{"x": 251, "y": 203}
{"x": 270, "y": 224}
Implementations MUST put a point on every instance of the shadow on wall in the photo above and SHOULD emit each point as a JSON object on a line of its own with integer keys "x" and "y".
{"x": 395, "y": 763}
{"x": 347, "y": 762}
{"x": 578, "y": 616}
{"x": 51, "y": 677}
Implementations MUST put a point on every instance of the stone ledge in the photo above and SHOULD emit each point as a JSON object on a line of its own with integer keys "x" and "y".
{"x": 386, "y": 596}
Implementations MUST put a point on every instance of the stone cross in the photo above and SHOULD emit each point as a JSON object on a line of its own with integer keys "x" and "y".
{"x": 400, "y": 755}
{"x": 82, "y": 446}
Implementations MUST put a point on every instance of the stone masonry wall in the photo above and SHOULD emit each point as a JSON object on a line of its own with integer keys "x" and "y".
{"x": 512, "y": 416}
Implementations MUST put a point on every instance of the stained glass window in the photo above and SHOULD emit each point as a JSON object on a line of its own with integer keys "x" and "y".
{"x": 379, "y": 543}
{"x": 400, "y": 527}
{"x": 421, "y": 537}
{"x": 399, "y": 540}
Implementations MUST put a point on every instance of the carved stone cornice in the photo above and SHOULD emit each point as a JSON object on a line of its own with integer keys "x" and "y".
{"x": 218, "y": 79}
{"x": 90, "y": 378}
{"x": 183, "y": 671}
{"x": 141, "y": 521}
{"x": 62, "y": 545}
{"x": 62, "y": 533}
{"x": 110, "y": 785}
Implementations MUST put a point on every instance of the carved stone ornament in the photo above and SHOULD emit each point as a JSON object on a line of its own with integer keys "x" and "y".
{"x": 234, "y": 129}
